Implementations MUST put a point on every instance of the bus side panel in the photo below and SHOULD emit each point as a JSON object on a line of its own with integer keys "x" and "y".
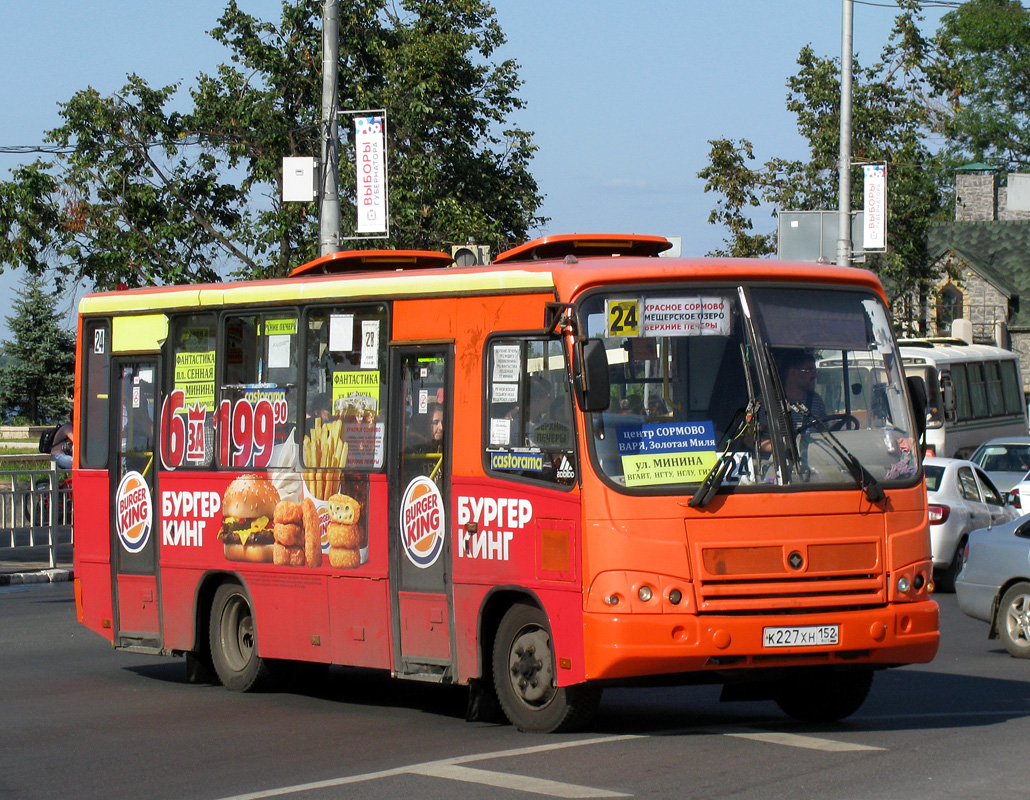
{"x": 524, "y": 539}
{"x": 359, "y": 606}
{"x": 178, "y": 596}
{"x": 91, "y": 491}
{"x": 360, "y": 623}
{"x": 291, "y": 614}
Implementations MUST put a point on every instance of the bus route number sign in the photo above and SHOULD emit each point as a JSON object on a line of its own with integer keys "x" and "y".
{"x": 623, "y": 317}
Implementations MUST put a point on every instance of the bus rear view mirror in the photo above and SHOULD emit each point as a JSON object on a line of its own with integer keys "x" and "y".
{"x": 917, "y": 391}
{"x": 590, "y": 368}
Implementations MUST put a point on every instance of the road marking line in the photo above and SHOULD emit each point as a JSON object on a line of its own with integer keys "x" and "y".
{"x": 796, "y": 740}
{"x": 414, "y": 768}
{"x": 504, "y": 780}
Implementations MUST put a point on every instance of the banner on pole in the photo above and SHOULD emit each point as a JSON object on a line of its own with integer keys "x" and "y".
{"x": 370, "y": 158}
{"x": 875, "y": 193}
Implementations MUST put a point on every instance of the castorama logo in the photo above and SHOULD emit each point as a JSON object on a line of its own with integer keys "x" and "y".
{"x": 134, "y": 512}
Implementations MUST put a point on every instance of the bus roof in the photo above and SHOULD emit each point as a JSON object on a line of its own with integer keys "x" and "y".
{"x": 943, "y": 351}
{"x": 397, "y": 274}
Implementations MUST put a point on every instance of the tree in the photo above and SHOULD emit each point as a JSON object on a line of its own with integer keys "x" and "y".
{"x": 728, "y": 174}
{"x": 978, "y": 69}
{"x": 38, "y": 371}
{"x": 139, "y": 193}
{"x": 890, "y": 122}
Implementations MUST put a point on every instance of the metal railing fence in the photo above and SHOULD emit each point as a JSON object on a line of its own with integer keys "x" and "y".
{"x": 35, "y": 513}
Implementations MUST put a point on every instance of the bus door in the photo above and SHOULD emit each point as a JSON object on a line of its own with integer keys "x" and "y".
{"x": 420, "y": 579}
{"x": 134, "y": 524}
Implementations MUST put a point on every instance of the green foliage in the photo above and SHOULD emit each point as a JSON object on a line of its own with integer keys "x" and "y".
{"x": 979, "y": 74}
{"x": 142, "y": 191}
{"x": 891, "y": 123}
{"x": 37, "y": 372}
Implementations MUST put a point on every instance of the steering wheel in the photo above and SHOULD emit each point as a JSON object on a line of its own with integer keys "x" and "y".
{"x": 835, "y": 422}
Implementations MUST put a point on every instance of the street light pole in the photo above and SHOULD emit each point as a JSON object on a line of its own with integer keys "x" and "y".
{"x": 329, "y": 203}
{"x": 844, "y": 182}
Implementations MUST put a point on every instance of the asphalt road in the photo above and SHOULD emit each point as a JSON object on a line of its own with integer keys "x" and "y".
{"x": 80, "y": 720}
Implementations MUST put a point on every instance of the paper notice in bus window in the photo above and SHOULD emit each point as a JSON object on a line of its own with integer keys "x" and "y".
{"x": 356, "y": 394}
{"x": 687, "y": 316}
{"x": 195, "y": 376}
{"x": 341, "y": 333}
{"x": 504, "y": 393}
{"x": 507, "y": 363}
{"x": 667, "y": 452}
{"x": 370, "y": 344}
{"x": 500, "y": 431}
{"x": 278, "y": 351}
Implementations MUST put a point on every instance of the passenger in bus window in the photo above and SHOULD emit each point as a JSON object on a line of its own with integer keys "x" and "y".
{"x": 424, "y": 456}
{"x": 656, "y": 408}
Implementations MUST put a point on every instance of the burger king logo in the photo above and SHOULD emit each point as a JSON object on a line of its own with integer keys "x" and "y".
{"x": 134, "y": 510}
{"x": 422, "y": 522}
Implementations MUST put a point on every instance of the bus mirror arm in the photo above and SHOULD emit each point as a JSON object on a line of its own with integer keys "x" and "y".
{"x": 590, "y": 374}
{"x": 917, "y": 391}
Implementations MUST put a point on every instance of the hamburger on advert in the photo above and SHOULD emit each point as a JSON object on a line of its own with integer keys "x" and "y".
{"x": 259, "y": 526}
{"x": 248, "y": 513}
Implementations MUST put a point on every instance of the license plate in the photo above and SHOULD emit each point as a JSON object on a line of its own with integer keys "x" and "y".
{"x": 804, "y": 636}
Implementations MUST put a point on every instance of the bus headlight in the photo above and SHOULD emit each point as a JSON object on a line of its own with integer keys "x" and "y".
{"x": 904, "y": 585}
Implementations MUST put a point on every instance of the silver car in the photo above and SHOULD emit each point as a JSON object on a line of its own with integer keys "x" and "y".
{"x": 1005, "y": 460}
{"x": 960, "y": 498}
{"x": 994, "y": 584}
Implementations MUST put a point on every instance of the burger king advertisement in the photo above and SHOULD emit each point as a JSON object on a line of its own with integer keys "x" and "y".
{"x": 423, "y": 522}
{"x": 258, "y": 519}
{"x": 134, "y": 512}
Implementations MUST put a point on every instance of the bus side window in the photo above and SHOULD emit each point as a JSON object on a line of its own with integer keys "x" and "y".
{"x": 948, "y": 395}
{"x": 963, "y": 401}
{"x": 188, "y": 406}
{"x": 258, "y": 403}
{"x": 530, "y": 431}
{"x": 346, "y": 354}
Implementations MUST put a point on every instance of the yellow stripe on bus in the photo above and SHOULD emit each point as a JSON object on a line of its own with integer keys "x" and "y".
{"x": 457, "y": 282}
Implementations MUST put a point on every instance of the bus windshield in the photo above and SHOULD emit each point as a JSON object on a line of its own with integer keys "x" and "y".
{"x": 788, "y": 387}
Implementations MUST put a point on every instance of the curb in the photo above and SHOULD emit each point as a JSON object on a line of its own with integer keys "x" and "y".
{"x": 37, "y": 576}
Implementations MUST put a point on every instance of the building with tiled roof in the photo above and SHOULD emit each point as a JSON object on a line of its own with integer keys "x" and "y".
{"x": 983, "y": 263}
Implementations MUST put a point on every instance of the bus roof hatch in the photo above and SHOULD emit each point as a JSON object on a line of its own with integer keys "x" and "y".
{"x": 372, "y": 261}
{"x": 585, "y": 244}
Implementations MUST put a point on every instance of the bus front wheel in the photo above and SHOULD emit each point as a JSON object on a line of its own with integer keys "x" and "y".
{"x": 233, "y": 638}
{"x": 824, "y": 695}
{"x": 523, "y": 672}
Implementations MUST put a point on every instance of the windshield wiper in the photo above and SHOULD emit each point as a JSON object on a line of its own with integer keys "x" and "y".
{"x": 713, "y": 480}
{"x": 865, "y": 480}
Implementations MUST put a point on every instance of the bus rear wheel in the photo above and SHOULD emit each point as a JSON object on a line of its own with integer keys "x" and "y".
{"x": 523, "y": 672}
{"x": 824, "y": 695}
{"x": 233, "y": 638}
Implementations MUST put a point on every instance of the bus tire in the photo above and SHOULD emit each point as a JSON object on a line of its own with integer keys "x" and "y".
{"x": 1013, "y": 620}
{"x": 824, "y": 695}
{"x": 523, "y": 672}
{"x": 233, "y": 637}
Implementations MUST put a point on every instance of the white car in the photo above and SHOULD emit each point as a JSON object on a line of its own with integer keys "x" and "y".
{"x": 960, "y": 498}
{"x": 1005, "y": 460}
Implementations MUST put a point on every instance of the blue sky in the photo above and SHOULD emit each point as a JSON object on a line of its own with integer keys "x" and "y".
{"x": 622, "y": 97}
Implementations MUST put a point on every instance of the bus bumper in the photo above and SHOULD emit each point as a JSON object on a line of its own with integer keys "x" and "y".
{"x": 635, "y": 645}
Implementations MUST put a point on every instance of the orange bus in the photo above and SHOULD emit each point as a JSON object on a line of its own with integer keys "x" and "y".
{"x": 580, "y": 466}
